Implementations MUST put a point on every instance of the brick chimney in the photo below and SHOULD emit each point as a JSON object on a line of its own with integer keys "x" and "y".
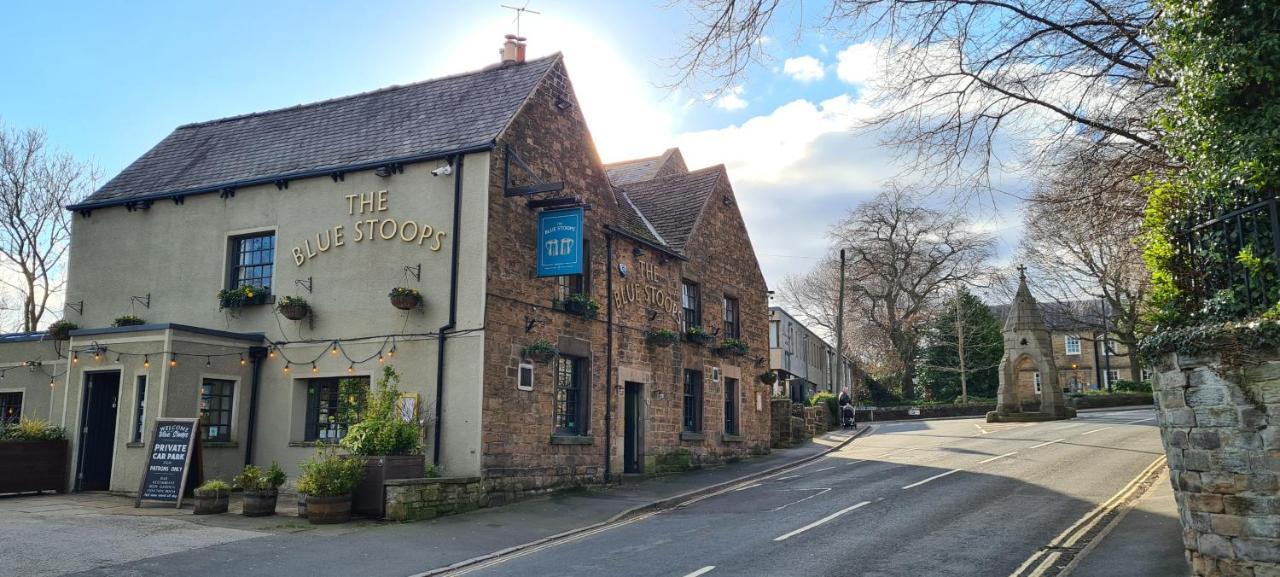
{"x": 513, "y": 50}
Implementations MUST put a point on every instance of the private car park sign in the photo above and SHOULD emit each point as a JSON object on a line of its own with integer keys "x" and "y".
{"x": 169, "y": 461}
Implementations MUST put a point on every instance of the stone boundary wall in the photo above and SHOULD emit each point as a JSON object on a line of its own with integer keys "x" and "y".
{"x": 1112, "y": 400}
{"x": 1224, "y": 461}
{"x": 427, "y": 498}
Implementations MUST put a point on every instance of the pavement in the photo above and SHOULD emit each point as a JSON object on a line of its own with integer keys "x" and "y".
{"x": 947, "y": 497}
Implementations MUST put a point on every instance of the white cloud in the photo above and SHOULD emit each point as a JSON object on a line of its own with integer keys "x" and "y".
{"x": 804, "y": 68}
{"x": 857, "y": 63}
{"x": 731, "y": 99}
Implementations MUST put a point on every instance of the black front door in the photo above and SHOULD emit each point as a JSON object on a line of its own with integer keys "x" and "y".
{"x": 98, "y": 431}
{"x": 631, "y": 428}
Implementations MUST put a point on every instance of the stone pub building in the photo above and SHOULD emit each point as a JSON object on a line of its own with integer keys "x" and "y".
{"x": 438, "y": 187}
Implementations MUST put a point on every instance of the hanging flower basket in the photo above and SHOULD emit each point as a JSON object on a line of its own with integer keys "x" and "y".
{"x": 294, "y": 308}
{"x": 768, "y": 378}
{"x": 732, "y": 348}
{"x": 61, "y": 330}
{"x": 582, "y": 305}
{"x": 541, "y": 351}
{"x": 405, "y": 298}
{"x": 660, "y": 338}
{"x": 128, "y": 321}
{"x": 698, "y": 336}
{"x": 242, "y": 297}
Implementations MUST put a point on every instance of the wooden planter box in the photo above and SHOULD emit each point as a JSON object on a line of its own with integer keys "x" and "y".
{"x": 369, "y": 498}
{"x": 33, "y": 466}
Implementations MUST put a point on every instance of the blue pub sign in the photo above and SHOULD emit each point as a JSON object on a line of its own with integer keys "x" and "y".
{"x": 560, "y": 242}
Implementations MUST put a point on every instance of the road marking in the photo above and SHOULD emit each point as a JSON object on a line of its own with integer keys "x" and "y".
{"x": 1046, "y": 444}
{"x": 786, "y": 478}
{"x": 1096, "y": 430}
{"x": 823, "y": 469}
{"x": 1140, "y": 420}
{"x": 702, "y": 571}
{"x": 938, "y": 476}
{"x": 820, "y": 490}
{"x": 997, "y": 457}
{"x": 747, "y": 487}
{"x": 535, "y": 547}
{"x": 786, "y": 536}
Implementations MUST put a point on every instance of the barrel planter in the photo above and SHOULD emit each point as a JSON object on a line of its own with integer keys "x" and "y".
{"x": 212, "y": 503}
{"x": 302, "y": 505}
{"x": 328, "y": 510}
{"x": 260, "y": 503}
{"x": 369, "y": 498}
{"x": 33, "y": 466}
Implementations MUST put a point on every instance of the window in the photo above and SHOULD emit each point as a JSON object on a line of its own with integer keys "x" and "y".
{"x": 252, "y": 258}
{"x": 773, "y": 334}
{"x": 1037, "y": 382}
{"x": 215, "y": 409}
{"x": 570, "y": 397}
{"x": 692, "y": 303}
{"x": 10, "y": 407}
{"x": 568, "y": 285}
{"x": 524, "y": 378}
{"x": 1073, "y": 345}
{"x": 329, "y": 407}
{"x": 692, "y": 401}
{"x": 730, "y": 406}
{"x": 139, "y": 408}
{"x": 1147, "y": 374}
{"x": 732, "y": 330}
{"x": 1112, "y": 376}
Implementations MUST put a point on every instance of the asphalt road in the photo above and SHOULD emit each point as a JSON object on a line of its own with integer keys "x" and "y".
{"x": 957, "y": 497}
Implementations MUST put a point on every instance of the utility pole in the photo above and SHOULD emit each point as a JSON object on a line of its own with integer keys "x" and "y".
{"x": 1106, "y": 345}
{"x": 840, "y": 333}
{"x": 964, "y": 381}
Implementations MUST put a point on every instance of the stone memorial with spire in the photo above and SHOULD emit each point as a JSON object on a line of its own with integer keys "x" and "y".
{"x": 1026, "y": 338}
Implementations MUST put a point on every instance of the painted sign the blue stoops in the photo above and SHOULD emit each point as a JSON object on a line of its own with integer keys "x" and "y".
{"x": 560, "y": 242}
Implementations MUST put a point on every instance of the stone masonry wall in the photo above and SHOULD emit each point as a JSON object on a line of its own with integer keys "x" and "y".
{"x": 1224, "y": 462}
{"x": 417, "y": 499}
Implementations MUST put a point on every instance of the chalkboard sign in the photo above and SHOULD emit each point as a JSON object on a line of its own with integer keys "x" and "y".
{"x": 169, "y": 461}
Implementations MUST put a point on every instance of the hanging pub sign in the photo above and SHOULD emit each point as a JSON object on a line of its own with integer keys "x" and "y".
{"x": 560, "y": 242}
{"x": 170, "y": 467}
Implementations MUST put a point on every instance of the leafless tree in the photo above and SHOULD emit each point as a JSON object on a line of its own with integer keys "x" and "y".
{"x": 968, "y": 79}
{"x": 902, "y": 259}
{"x": 812, "y": 297}
{"x": 36, "y": 183}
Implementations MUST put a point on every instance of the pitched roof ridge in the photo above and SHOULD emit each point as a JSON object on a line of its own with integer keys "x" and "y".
{"x": 392, "y": 88}
{"x": 632, "y": 160}
{"x": 643, "y": 218}
{"x": 718, "y": 168}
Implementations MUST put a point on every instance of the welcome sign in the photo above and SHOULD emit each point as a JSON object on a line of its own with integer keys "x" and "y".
{"x": 560, "y": 242}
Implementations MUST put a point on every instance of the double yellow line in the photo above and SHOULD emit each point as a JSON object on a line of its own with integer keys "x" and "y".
{"x": 1046, "y": 558}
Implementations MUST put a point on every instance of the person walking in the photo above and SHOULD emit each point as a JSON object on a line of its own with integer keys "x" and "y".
{"x": 847, "y": 413}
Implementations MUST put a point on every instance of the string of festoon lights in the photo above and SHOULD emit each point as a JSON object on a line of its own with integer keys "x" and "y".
{"x": 335, "y": 349}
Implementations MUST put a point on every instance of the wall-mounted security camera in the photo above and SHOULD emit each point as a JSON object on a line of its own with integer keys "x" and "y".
{"x": 445, "y": 170}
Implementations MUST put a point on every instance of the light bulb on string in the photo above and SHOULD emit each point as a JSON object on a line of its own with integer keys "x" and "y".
{"x": 51, "y": 384}
{"x": 314, "y": 370}
{"x": 97, "y": 355}
{"x": 173, "y": 359}
{"x": 75, "y": 358}
{"x": 146, "y": 361}
{"x": 242, "y": 359}
{"x": 271, "y": 352}
{"x": 351, "y": 368}
{"x": 381, "y": 359}
{"x": 286, "y": 367}
{"x": 392, "y": 352}
{"x": 208, "y": 362}
{"x": 118, "y": 356}
{"x": 333, "y": 351}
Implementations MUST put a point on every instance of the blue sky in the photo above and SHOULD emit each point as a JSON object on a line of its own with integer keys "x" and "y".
{"x": 109, "y": 80}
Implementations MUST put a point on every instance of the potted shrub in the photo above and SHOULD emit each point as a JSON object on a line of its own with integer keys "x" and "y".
{"x": 261, "y": 489}
{"x": 733, "y": 347}
{"x": 212, "y": 497}
{"x": 128, "y": 321}
{"x": 541, "y": 351}
{"x": 390, "y": 447}
{"x": 768, "y": 378}
{"x": 328, "y": 481}
{"x": 660, "y": 337}
{"x": 697, "y": 335}
{"x": 242, "y": 296}
{"x": 61, "y": 330}
{"x": 582, "y": 305}
{"x": 405, "y": 298}
{"x": 293, "y": 308}
{"x": 34, "y": 454}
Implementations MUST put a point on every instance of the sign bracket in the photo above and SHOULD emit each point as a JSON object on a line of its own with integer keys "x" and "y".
{"x": 538, "y": 187}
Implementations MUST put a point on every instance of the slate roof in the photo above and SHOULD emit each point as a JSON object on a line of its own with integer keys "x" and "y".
{"x": 1061, "y": 316}
{"x": 641, "y": 169}
{"x": 672, "y": 204}
{"x": 424, "y": 120}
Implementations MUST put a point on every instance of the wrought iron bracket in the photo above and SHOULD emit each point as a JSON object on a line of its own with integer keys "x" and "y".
{"x": 305, "y": 284}
{"x": 538, "y": 187}
{"x": 142, "y": 300}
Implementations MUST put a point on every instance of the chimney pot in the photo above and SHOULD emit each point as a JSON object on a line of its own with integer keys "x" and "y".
{"x": 509, "y": 55}
{"x": 520, "y": 51}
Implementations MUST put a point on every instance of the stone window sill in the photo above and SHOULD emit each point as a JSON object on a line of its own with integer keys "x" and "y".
{"x": 302, "y": 443}
{"x": 733, "y": 438}
{"x": 220, "y": 444}
{"x": 571, "y": 440}
{"x": 692, "y": 436}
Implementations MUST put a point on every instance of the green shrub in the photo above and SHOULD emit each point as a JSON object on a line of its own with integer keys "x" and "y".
{"x": 32, "y": 430}
{"x": 253, "y": 479}
{"x": 1127, "y": 386}
{"x": 380, "y": 430}
{"x": 330, "y": 474}
{"x": 128, "y": 321}
{"x": 213, "y": 487}
{"x": 831, "y": 401}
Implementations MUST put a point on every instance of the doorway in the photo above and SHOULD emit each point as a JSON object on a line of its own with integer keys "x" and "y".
{"x": 98, "y": 431}
{"x": 632, "y": 433}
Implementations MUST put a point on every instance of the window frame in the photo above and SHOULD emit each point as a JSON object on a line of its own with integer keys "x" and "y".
{"x": 4, "y": 406}
{"x": 235, "y": 252}
{"x": 1038, "y": 382}
{"x": 692, "y": 401}
{"x": 565, "y": 405}
{"x": 775, "y": 340}
{"x": 311, "y": 425}
{"x": 732, "y": 317}
{"x": 690, "y": 294}
{"x": 1067, "y": 343}
{"x": 732, "y": 405}
{"x": 137, "y": 434}
{"x": 229, "y": 411}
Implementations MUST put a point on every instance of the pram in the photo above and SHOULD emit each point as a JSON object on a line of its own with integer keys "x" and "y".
{"x": 848, "y": 417}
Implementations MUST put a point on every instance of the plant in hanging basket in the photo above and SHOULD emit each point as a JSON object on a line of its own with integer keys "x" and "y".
{"x": 540, "y": 350}
{"x": 61, "y": 330}
{"x": 660, "y": 337}
{"x": 697, "y": 335}
{"x": 242, "y": 296}
{"x": 732, "y": 347}
{"x": 582, "y": 305}
{"x": 768, "y": 377}
{"x": 128, "y": 321}
{"x": 405, "y": 298}
{"x": 294, "y": 308}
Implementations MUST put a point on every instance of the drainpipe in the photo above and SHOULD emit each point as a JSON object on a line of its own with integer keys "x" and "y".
{"x": 608, "y": 380}
{"x": 256, "y": 354}
{"x": 453, "y": 308}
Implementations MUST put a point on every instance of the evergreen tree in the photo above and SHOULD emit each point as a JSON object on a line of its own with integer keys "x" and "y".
{"x": 983, "y": 345}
